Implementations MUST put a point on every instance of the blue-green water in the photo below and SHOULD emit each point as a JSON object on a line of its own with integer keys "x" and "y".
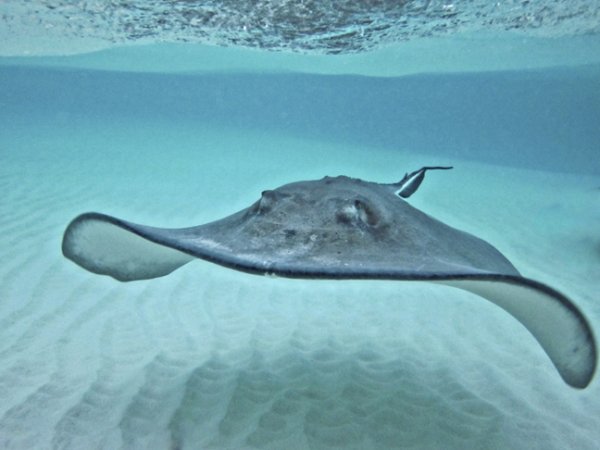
{"x": 208, "y": 358}
{"x": 545, "y": 119}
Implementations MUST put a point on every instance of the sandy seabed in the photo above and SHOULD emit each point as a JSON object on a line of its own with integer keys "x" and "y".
{"x": 209, "y": 358}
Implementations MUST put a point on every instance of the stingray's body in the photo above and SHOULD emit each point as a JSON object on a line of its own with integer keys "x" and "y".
{"x": 343, "y": 228}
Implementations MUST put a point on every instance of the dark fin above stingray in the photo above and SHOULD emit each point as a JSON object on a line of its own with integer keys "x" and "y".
{"x": 408, "y": 185}
{"x": 342, "y": 228}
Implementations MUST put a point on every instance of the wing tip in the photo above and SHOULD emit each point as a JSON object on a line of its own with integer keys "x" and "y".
{"x": 552, "y": 318}
{"x": 106, "y": 245}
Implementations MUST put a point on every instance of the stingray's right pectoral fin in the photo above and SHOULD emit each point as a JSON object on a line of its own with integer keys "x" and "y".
{"x": 556, "y": 323}
{"x": 105, "y": 245}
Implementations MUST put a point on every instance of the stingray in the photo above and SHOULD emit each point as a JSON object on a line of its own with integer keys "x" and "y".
{"x": 343, "y": 228}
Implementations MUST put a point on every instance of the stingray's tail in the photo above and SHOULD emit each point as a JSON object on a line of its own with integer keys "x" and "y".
{"x": 408, "y": 185}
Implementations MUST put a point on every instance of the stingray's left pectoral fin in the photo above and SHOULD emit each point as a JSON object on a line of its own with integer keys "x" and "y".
{"x": 108, "y": 246}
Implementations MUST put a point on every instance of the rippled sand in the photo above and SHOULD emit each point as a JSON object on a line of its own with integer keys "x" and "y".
{"x": 210, "y": 358}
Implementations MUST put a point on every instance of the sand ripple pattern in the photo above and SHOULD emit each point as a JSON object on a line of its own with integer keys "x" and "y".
{"x": 211, "y": 359}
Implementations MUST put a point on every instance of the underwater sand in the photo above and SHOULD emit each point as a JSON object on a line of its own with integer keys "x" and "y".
{"x": 210, "y": 358}
{"x": 176, "y": 135}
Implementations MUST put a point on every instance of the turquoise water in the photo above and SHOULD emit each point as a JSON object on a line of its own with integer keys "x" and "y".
{"x": 180, "y": 134}
{"x": 544, "y": 119}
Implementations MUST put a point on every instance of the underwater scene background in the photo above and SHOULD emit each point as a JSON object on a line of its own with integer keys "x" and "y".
{"x": 179, "y": 113}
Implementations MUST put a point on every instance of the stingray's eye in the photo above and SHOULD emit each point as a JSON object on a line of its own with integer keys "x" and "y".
{"x": 367, "y": 214}
{"x": 266, "y": 202}
{"x": 357, "y": 212}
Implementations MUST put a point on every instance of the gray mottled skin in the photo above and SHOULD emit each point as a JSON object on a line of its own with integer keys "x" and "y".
{"x": 343, "y": 228}
{"x": 344, "y": 225}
